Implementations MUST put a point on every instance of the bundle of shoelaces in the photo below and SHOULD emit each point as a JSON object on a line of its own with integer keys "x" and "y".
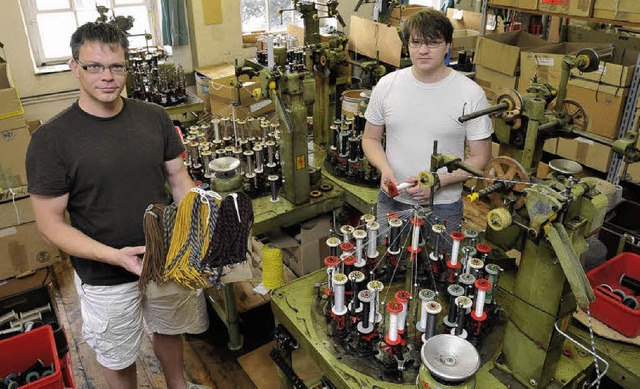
{"x": 191, "y": 242}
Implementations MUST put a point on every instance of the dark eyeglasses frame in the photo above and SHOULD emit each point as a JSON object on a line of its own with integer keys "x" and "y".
{"x": 112, "y": 68}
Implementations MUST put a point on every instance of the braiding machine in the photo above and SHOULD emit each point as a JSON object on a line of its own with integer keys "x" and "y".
{"x": 441, "y": 307}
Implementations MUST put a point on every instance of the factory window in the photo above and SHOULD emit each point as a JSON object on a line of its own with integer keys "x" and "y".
{"x": 262, "y": 15}
{"x": 50, "y": 24}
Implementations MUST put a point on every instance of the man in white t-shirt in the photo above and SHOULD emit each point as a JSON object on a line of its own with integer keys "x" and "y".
{"x": 416, "y": 106}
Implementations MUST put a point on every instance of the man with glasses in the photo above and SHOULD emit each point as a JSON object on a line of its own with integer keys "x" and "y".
{"x": 415, "y": 106}
{"x": 105, "y": 159}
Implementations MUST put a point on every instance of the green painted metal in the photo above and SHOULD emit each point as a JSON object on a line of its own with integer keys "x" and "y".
{"x": 571, "y": 265}
{"x": 426, "y": 381}
{"x": 293, "y": 138}
{"x": 268, "y": 215}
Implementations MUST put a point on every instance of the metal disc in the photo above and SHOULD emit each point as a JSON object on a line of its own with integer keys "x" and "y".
{"x": 224, "y": 164}
{"x": 450, "y": 358}
{"x": 565, "y": 166}
{"x": 594, "y": 60}
{"x": 511, "y": 96}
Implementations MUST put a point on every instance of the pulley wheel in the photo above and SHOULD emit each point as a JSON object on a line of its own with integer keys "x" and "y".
{"x": 511, "y": 97}
{"x": 508, "y": 169}
{"x": 575, "y": 113}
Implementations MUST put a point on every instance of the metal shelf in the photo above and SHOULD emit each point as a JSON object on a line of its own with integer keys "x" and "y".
{"x": 565, "y": 16}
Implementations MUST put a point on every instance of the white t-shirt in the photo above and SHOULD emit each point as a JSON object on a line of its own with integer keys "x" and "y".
{"x": 415, "y": 114}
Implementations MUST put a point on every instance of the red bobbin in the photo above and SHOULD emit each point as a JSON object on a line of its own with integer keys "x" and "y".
{"x": 349, "y": 260}
{"x": 347, "y": 246}
{"x": 393, "y": 307}
{"x": 483, "y": 248}
{"x": 331, "y": 261}
{"x": 403, "y": 296}
{"x": 417, "y": 221}
{"x": 482, "y": 284}
{"x": 457, "y": 235}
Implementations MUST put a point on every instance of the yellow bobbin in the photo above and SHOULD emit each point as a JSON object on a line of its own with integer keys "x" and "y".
{"x": 272, "y": 268}
{"x": 498, "y": 219}
{"x": 426, "y": 179}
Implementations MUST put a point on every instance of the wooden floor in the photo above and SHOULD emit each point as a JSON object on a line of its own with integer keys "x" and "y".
{"x": 207, "y": 359}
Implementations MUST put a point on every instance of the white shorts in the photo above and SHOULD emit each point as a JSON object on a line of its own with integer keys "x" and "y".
{"x": 112, "y": 317}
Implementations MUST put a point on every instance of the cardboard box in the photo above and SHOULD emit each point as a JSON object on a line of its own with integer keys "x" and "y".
{"x": 12, "y": 123}
{"x": 10, "y": 104}
{"x": 469, "y": 20}
{"x": 308, "y": 254}
{"x": 22, "y": 249}
{"x": 555, "y": 6}
{"x": 603, "y": 109}
{"x": 492, "y": 82}
{"x": 13, "y": 151}
{"x": 226, "y": 108}
{"x": 217, "y": 80}
{"x": 625, "y": 10}
{"x": 463, "y": 40}
{"x": 546, "y": 62}
{"x": 585, "y": 152}
{"x": 551, "y": 145}
{"x": 634, "y": 171}
{"x": 14, "y": 213}
{"x": 527, "y": 4}
{"x": 581, "y": 7}
{"x": 400, "y": 14}
{"x": 501, "y": 52}
{"x": 371, "y": 39}
{"x": 543, "y": 170}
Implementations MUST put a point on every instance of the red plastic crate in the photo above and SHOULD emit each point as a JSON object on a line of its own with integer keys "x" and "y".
{"x": 67, "y": 371}
{"x": 20, "y": 352}
{"x": 608, "y": 307}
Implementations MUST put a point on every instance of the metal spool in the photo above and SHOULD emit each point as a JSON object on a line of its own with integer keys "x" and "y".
{"x": 449, "y": 359}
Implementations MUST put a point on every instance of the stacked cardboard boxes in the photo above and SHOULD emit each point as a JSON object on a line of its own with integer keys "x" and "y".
{"x": 215, "y": 87}
{"x": 623, "y": 10}
{"x": 21, "y": 246}
{"x": 498, "y": 59}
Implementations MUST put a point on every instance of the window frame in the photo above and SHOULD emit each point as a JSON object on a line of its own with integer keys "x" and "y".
{"x": 30, "y": 14}
{"x": 267, "y": 13}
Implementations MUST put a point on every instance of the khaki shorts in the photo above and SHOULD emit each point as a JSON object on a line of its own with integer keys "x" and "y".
{"x": 112, "y": 317}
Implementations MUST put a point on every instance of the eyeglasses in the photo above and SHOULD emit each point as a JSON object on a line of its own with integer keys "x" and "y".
{"x": 415, "y": 44}
{"x": 99, "y": 69}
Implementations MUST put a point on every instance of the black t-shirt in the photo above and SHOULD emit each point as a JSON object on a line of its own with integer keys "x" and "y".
{"x": 112, "y": 168}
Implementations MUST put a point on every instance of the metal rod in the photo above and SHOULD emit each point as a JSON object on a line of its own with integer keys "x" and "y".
{"x": 496, "y": 108}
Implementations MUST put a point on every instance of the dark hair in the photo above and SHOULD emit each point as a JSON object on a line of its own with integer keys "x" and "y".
{"x": 98, "y": 32}
{"x": 428, "y": 25}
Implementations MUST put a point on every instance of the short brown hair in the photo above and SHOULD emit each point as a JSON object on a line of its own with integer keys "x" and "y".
{"x": 428, "y": 25}
{"x": 104, "y": 33}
